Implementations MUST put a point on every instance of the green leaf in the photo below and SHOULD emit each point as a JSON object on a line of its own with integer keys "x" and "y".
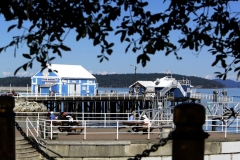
{"x": 78, "y": 37}
{"x": 127, "y": 39}
{"x": 109, "y": 51}
{"x": 126, "y": 50}
{"x": 1, "y": 49}
{"x": 25, "y": 66}
{"x": 123, "y": 35}
{"x": 52, "y": 58}
{"x": 52, "y": 38}
{"x": 65, "y": 48}
{"x": 96, "y": 41}
{"x": 27, "y": 56}
{"x": 119, "y": 31}
{"x": 106, "y": 58}
{"x": 216, "y": 30}
{"x": 110, "y": 45}
{"x": 11, "y": 27}
{"x": 17, "y": 70}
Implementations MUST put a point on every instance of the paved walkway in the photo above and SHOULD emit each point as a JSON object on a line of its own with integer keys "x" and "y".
{"x": 101, "y": 134}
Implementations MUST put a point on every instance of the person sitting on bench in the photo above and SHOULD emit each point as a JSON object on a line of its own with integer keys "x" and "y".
{"x": 65, "y": 122}
{"x": 132, "y": 117}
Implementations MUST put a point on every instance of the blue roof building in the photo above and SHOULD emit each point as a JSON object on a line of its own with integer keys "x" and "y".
{"x": 65, "y": 80}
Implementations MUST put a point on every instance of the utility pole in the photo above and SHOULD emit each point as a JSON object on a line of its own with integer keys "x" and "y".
{"x": 135, "y": 69}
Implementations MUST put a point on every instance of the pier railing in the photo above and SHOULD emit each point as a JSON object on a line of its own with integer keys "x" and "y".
{"x": 210, "y": 97}
{"x": 115, "y": 128}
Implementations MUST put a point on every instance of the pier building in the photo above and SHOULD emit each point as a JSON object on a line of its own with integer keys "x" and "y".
{"x": 65, "y": 80}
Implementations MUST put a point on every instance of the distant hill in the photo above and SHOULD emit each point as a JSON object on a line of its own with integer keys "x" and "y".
{"x": 123, "y": 80}
{"x": 228, "y": 83}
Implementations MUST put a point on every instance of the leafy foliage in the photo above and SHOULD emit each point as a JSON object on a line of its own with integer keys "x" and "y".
{"x": 202, "y": 23}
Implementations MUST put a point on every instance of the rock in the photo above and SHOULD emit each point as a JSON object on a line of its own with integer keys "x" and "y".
{"x": 21, "y": 105}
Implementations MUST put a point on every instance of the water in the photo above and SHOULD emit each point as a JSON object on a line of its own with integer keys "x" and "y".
{"x": 232, "y": 92}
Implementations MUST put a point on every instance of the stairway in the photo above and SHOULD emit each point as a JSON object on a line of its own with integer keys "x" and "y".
{"x": 25, "y": 151}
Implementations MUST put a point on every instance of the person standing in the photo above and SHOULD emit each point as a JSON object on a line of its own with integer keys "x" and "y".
{"x": 52, "y": 116}
{"x": 146, "y": 124}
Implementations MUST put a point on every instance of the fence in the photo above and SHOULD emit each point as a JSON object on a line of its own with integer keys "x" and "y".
{"x": 115, "y": 127}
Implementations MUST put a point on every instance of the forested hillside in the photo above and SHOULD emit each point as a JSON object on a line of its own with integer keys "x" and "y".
{"x": 122, "y": 80}
{"x": 125, "y": 80}
{"x": 15, "y": 81}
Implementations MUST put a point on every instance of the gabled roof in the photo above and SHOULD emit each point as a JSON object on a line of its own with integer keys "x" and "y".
{"x": 144, "y": 83}
{"x": 70, "y": 71}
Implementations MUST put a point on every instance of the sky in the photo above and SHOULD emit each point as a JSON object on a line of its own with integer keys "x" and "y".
{"x": 85, "y": 54}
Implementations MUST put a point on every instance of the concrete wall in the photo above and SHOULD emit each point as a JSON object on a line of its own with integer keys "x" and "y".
{"x": 122, "y": 150}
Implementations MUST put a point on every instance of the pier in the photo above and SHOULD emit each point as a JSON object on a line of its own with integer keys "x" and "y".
{"x": 104, "y": 103}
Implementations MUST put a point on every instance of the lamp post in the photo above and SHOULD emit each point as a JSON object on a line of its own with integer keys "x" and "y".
{"x": 135, "y": 69}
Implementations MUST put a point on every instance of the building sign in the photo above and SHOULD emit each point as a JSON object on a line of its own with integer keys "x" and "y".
{"x": 49, "y": 79}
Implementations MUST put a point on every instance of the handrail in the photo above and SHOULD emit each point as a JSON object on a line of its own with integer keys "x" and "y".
{"x": 28, "y": 129}
{"x": 181, "y": 89}
{"x": 209, "y": 123}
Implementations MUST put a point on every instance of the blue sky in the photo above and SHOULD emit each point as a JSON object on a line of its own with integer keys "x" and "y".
{"x": 83, "y": 53}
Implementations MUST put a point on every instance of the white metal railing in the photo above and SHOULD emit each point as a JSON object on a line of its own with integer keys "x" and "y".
{"x": 213, "y": 123}
{"x": 220, "y": 108}
{"x": 210, "y": 97}
{"x": 114, "y": 126}
{"x": 31, "y": 128}
{"x": 74, "y": 96}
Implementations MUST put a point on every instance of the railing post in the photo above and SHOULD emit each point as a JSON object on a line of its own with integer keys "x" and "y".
{"x": 85, "y": 128}
{"x": 188, "y": 137}
{"x": 7, "y": 122}
{"x": 51, "y": 129}
{"x": 117, "y": 130}
{"x": 44, "y": 130}
{"x": 237, "y": 126}
{"x": 27, "y": 128}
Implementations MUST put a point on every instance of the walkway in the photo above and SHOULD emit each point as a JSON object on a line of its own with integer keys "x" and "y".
{"x": 100, "y": 134}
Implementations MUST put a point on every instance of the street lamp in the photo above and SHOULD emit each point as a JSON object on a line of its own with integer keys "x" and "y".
{"x": 135, "y": 68}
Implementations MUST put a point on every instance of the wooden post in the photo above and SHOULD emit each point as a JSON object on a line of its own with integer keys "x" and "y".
{"x": 7, "y": 123}
{"x": 188, "y": 137}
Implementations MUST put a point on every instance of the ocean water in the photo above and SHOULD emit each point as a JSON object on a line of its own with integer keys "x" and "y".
{"x": 232, "y": 92}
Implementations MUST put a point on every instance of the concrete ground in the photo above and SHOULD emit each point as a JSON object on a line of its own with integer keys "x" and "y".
{"x": 102, "y": 134}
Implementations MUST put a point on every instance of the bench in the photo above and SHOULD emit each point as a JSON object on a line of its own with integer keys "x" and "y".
{"x": 68, "y": 127}
{"x": 133, "y": 126}
{"x": 132, "y": 123}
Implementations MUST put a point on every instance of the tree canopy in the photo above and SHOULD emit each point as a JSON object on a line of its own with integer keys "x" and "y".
{"x": 201, "y": 23}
